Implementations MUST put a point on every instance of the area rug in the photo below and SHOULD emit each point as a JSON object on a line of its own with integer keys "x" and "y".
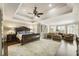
{"x": 43, "y": 47}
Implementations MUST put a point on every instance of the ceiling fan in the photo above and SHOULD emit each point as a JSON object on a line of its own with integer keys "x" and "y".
{"x": 35, "y": 12}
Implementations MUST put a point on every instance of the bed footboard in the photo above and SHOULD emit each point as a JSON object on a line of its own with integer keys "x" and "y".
{"x": 28, "y": 38}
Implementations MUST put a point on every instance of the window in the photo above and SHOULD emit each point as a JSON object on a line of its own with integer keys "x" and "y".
{"x": 52, "y": 29}
{"x": 61, "y": 29}
{"x": 73, "y": 29}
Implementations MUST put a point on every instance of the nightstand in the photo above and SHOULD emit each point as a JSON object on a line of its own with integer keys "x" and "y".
{"x": 11, "y": 37}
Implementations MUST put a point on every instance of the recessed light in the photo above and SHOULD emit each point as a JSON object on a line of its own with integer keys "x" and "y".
{"x": 36, "y": 17}
{"x": 50, "y": 5}
{"x": 24, "y": 10}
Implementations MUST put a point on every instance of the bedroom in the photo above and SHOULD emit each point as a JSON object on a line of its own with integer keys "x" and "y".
{"x": 48, "y": 23}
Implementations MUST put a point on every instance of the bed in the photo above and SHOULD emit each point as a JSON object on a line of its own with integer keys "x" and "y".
{"x": 24, "y": 35}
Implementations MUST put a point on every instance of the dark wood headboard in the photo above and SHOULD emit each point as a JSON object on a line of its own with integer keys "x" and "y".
{"x": 22, "y": 28}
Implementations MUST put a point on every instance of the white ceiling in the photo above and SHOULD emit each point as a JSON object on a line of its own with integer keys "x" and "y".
{"x": 9, "y": 10}
{"x": 20, "y": 12}
{"x": 56, "y": 9}
{"x": 60, "y": 20}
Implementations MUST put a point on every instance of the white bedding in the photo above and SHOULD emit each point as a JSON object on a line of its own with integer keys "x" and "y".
{"x": 19, "y": 36}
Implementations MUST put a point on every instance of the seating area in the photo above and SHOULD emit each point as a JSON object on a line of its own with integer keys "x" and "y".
{"x": 61, "y": 36}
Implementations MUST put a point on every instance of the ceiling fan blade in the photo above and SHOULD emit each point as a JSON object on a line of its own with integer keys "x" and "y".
{"x": 38, "y": 16}
{"x": 40, "y": 13}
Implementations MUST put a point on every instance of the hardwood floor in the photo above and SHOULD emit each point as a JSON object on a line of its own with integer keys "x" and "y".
{"x": 67, "y": 49}
{"x": 64, "y": 49}
{"x": 5, "y": 47}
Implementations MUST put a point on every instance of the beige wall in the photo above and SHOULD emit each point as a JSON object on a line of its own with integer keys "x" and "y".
{"x": 1, "y": 29}
{"x": 33, "y": 26}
